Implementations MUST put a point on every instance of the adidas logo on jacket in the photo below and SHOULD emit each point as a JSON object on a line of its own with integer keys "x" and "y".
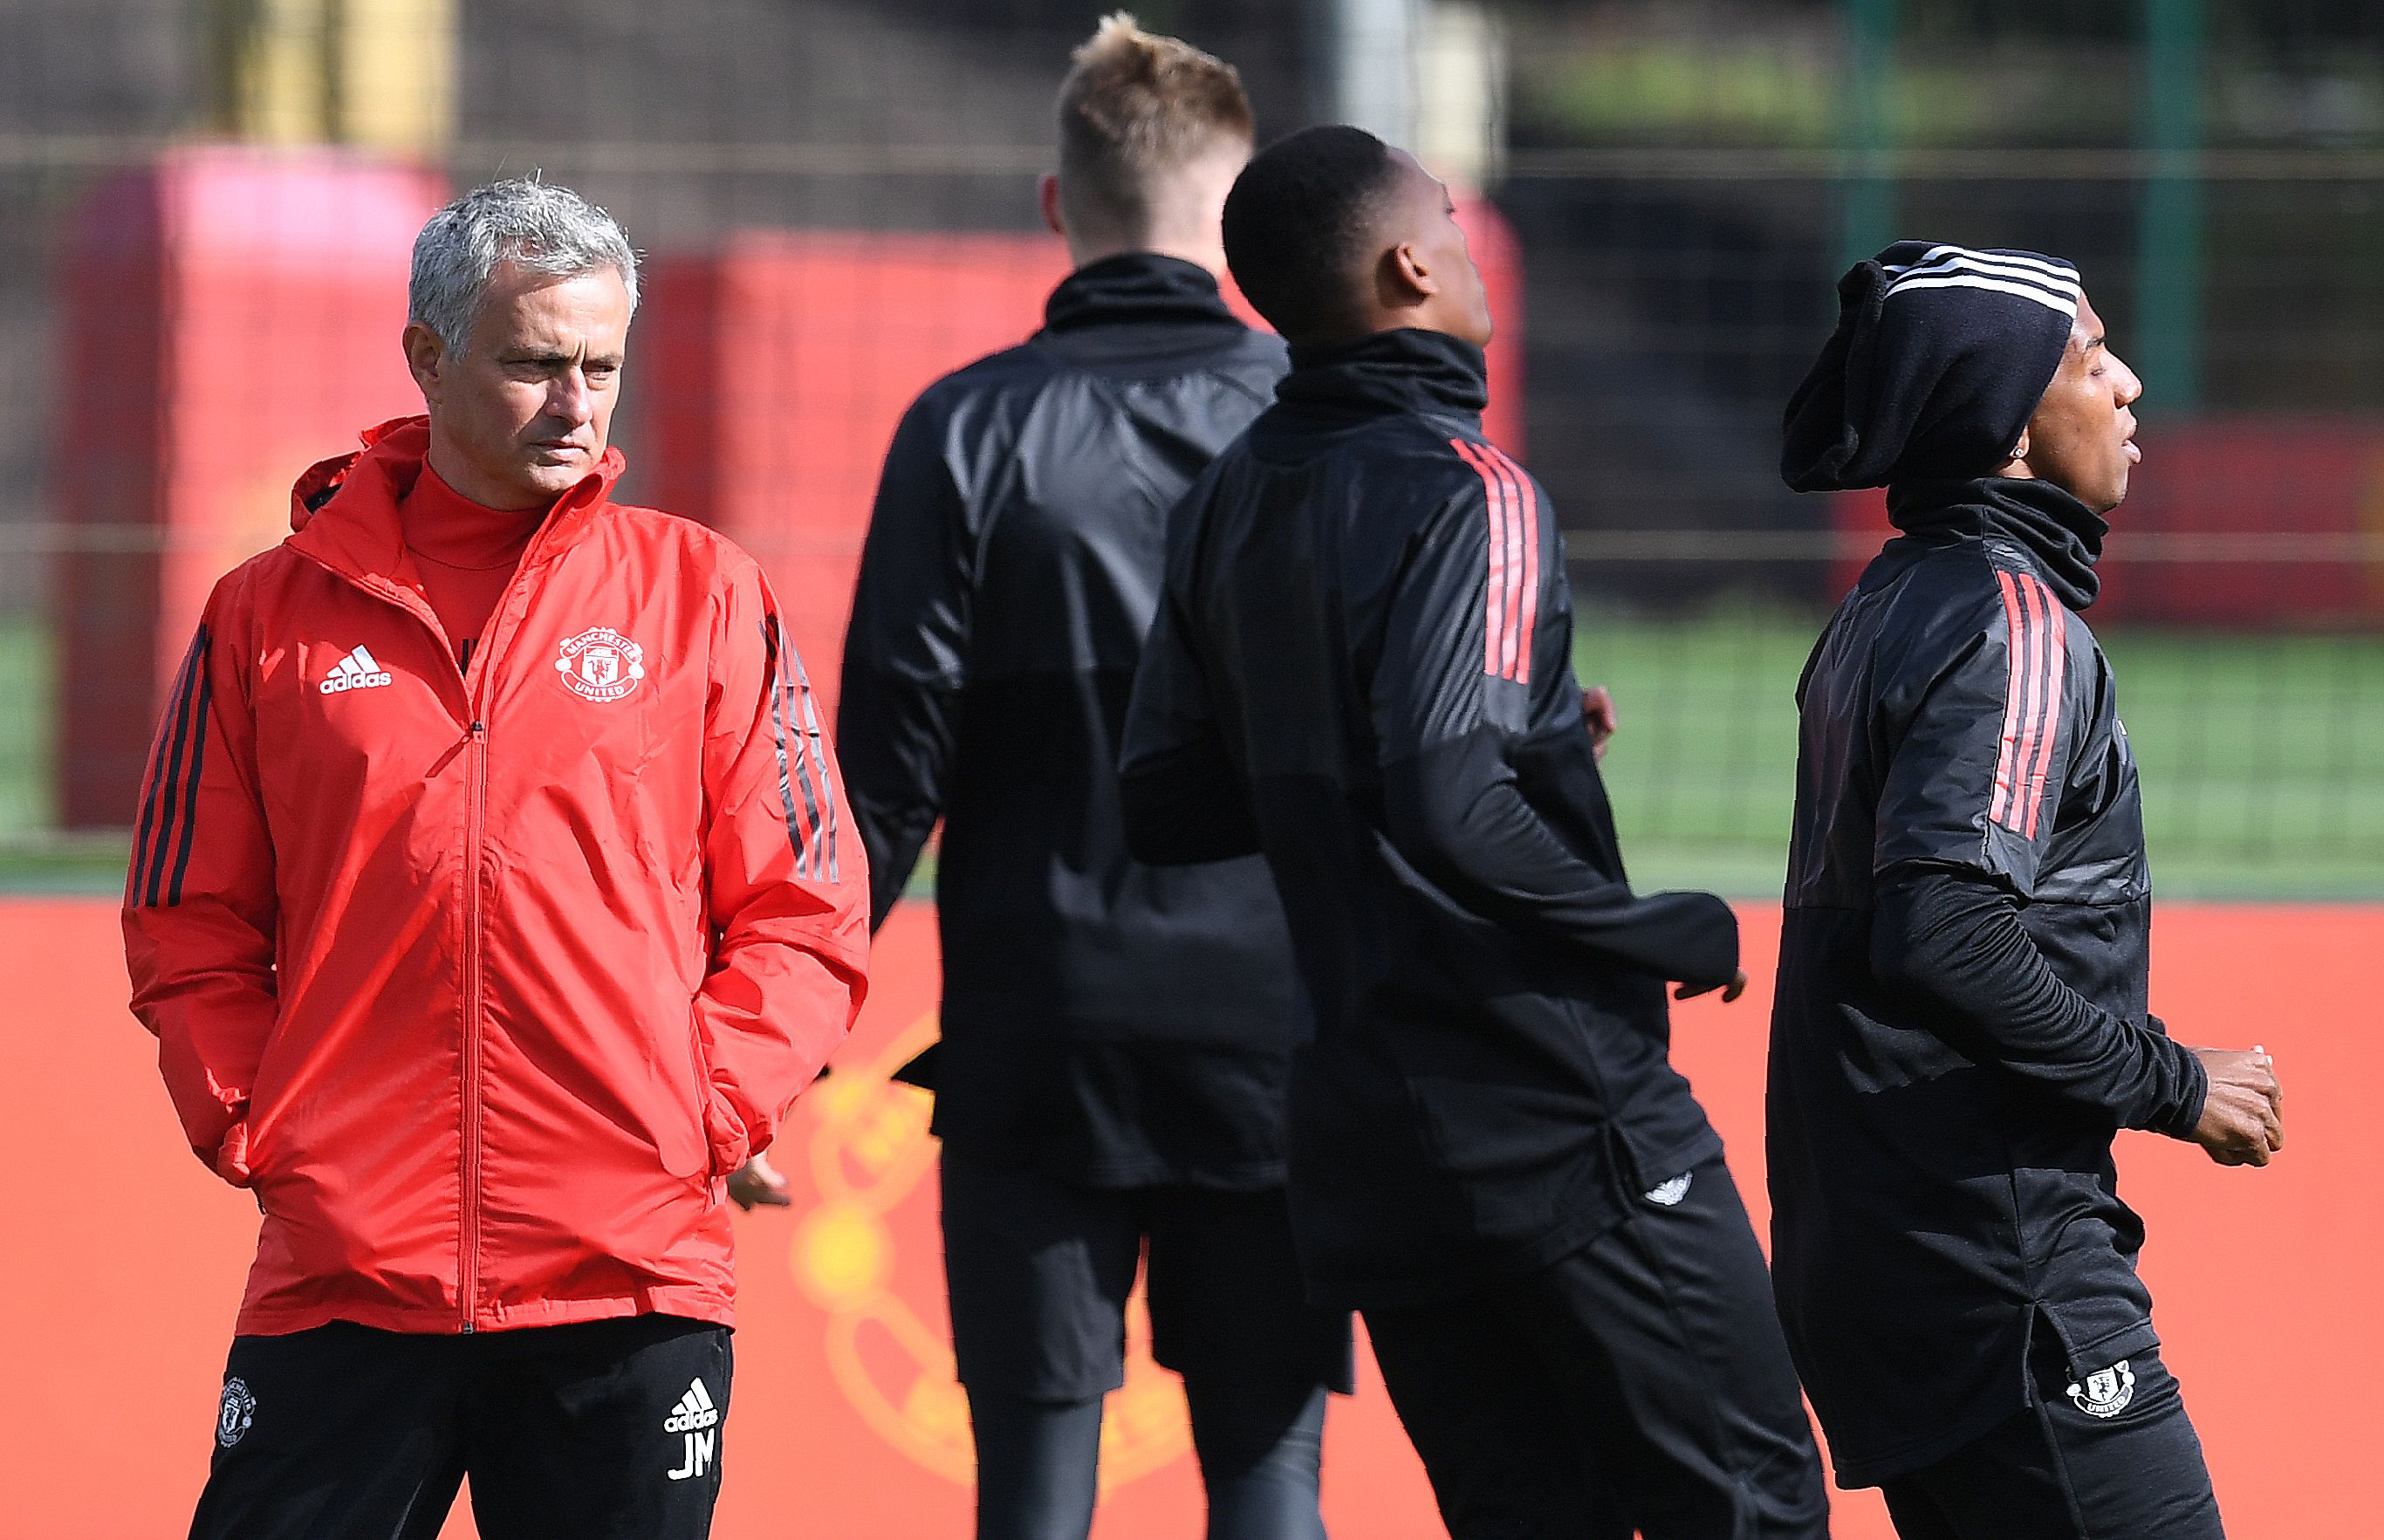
{"x": 357, "y": 671}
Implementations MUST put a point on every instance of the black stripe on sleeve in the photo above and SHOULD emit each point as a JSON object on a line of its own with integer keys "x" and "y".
{"x": 191, "y": 790}
{"x": 157, "y": 778}
{"x": 817, "y": 758}
{"x": 166, "y": 789}
{"x": 774, "y": 683}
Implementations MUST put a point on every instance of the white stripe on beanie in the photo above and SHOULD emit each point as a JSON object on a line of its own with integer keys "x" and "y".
{"x": 2065, "y": 304}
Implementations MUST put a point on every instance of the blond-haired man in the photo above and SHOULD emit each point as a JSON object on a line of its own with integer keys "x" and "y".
{"x": 1116, "y": 1037}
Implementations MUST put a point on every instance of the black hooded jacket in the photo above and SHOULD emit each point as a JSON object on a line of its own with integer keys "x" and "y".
{"x": 1960, "y": 1026}
{"x": 1104, "y": 1023}
{"x": 1363, "y": 667}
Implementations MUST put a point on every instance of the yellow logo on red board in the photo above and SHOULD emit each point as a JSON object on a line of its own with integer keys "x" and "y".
{"x": 869, "y": 1151}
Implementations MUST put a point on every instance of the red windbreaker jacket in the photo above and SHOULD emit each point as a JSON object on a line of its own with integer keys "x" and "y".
{"x": 484, "y": 978}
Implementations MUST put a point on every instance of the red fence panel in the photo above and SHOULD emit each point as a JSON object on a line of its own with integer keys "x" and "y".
{"x": 231, "y": 315}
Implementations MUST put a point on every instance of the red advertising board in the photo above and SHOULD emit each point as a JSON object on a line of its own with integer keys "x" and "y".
{"x": 125, "y": 1262}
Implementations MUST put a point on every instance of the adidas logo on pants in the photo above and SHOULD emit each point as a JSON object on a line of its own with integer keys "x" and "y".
{"x": 694, "y": 1417}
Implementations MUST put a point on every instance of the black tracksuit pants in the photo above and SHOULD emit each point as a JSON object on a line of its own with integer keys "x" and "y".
{"x": 607, "y": 1430}
{"x": 1039, "y": 1270}
{"x": 1640, "y": 1384}
{"x": 2110, "y": 1457}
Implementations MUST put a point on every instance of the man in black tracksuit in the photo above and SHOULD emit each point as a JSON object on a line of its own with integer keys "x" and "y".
{"x": 1961, "y": 1026}
{"x": 1116, "y": 1037}
{"x": 1363, "y": 667}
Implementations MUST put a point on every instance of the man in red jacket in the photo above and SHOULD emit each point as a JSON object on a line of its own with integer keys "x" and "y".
{"x": 490, "y": 900}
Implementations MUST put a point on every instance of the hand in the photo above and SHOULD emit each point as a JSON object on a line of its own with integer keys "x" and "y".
{"x": 232, "y": 1157}
{"x": 2243, "y": 1117}
{"x": 1597, "y": 710}
{"x": 757, "y": 1183}
{"x": 1730, "y": 991}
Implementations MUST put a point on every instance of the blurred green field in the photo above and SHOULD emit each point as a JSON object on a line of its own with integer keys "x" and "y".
{"x": 2262, "y": 756}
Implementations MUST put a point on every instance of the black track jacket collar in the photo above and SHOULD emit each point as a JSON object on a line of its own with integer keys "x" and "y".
{"x": 1406, "y": 371}
{"x": 2063, "y": 534}
{"x": 1137, "y": 287}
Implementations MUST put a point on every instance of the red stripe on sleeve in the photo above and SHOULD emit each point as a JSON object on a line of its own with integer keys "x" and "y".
{"x": 2032, "y": 711}
{"x": 1494, "y": 603}
{"x": 2014, "y": 684}
{"x": 1510, "y": 602}
{"x": 1527, "y": 503}
{"x": 2054, "y": 675}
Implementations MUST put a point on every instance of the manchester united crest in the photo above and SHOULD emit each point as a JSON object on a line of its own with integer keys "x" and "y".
{"x": 600, "y": 663}
{"x": 235, "y": 1413}
{"x": 2105, "y": 1392}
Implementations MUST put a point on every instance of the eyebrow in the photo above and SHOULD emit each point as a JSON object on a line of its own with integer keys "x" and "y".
{"x": 553, "y": 355}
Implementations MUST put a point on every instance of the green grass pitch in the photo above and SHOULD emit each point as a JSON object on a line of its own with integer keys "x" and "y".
{"x": 2262, "y": 756}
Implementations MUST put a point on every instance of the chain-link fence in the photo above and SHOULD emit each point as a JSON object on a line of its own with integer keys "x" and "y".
{"x": 837, "y": 202}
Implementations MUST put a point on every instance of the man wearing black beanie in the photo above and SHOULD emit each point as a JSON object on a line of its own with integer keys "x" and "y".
{"x": 1362, "y": 666}
{"x": 1960, "y": 1027}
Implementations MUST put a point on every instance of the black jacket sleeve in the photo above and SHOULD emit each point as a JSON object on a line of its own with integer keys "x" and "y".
{"x": 906, "y": 654}
{"x": 1181, "y": 794}
{"x": 1981, "y": 749}
{"x": 1473, "y": 663}
{"x": 1959, "y": 941}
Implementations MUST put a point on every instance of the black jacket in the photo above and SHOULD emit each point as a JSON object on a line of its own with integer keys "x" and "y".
{"x": 1104, "y": 1023}
{"x": 1960, "y": 1026}
{"x": 1363, "y": 667}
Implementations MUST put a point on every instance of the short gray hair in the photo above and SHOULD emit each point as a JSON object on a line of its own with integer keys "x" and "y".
{"x": 536, "y": 225}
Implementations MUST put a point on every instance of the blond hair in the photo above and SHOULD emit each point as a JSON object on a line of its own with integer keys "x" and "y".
{"x": 1135, "y": 107}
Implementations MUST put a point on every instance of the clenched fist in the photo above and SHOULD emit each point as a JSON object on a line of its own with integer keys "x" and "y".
{"x": 2243, "y": 1117}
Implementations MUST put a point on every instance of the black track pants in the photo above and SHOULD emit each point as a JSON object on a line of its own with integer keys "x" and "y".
{"x": 602, "y": 1430}
{"x": 1039, "y": 1270}
{"x": 2116, "y": 1458}
{"x": 1038, "y": 1462}
{"x": 1640, "y": 1384}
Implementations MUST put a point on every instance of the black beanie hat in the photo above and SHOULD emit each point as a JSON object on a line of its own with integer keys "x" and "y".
{"x": 1940, "y": 355}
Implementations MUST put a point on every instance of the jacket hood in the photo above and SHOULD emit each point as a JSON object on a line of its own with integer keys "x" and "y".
{"x": 2063, "y": 534}
{"x": 343, "y": 510}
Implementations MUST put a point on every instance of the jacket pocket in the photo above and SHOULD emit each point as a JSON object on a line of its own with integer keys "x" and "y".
{"x": 723, "y": 1136}
{"x": 679, "y": 1127}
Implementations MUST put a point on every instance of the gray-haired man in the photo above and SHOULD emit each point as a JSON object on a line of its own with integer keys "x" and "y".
{"x": 490, "y": 907}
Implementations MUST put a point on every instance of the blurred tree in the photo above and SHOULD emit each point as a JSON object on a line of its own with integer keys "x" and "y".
{"x": 372, "y": 72}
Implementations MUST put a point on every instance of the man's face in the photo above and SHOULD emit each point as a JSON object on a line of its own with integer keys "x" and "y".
{"x": 1426, "y": 222}
{"x": 2079, "y": 436}
{"x": 524, "y": 410}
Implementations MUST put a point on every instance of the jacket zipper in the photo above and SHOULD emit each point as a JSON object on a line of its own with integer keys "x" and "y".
{"x": 475, "y": 792}
{"x": 486, "y": 658}
{"x": 475, "y": 817}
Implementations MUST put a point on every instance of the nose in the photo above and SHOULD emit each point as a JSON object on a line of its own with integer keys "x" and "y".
{"x": 568, "y": 397}
{"x": 2129, "y": 389}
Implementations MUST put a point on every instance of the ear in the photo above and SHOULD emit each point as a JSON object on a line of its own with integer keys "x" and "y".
{"x": 1405, "y": 278}
{"x": 1047, "y": 194}
{"x": 424, "y": 355}
{"x": 2019, "y": 450}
